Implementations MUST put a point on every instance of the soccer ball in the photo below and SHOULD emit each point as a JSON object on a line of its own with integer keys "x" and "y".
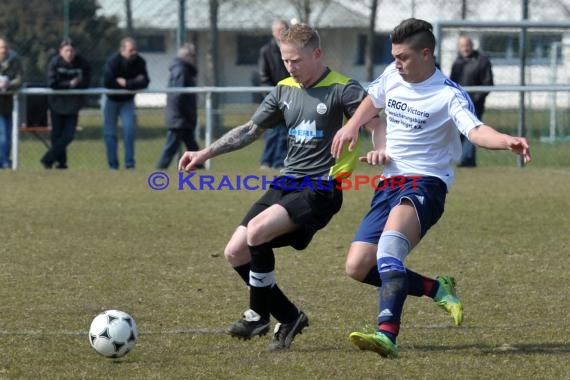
{"x": 113, "y": 333}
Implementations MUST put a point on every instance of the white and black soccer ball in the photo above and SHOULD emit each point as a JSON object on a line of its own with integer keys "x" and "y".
{"x": 113, "y": 333}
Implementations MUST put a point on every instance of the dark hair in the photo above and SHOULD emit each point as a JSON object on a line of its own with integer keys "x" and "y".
{"x": 66, "y": 42}
{"x": 416, "y": 33}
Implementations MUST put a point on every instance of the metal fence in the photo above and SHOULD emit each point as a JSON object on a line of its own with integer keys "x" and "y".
{"x": 35, "y": 29}
{"x": 19, "y": 113}
{"x": 27, "y": 147}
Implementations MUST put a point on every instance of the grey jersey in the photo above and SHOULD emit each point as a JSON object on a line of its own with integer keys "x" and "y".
{"x": 312, "y": 117}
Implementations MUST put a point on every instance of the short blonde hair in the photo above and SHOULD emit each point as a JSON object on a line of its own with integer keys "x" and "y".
{"x": 302, "y": 35}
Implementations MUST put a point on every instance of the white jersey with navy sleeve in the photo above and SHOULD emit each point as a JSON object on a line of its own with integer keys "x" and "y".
{"x": 423, "y": 120}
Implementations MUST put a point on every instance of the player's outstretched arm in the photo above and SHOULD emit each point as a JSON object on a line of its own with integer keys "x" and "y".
{"x": 349, "y": 132}
{"x": 235, "y": 139}
{"x": 487, "y": 137}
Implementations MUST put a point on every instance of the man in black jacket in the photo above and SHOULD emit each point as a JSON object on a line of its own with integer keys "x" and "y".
{"x": 123, "y": 70}
{"x": 471, "y": 68}
{"x": 271, "y": 71}
{"x": 66, "y": 70}
{"x": 180, "y": 116}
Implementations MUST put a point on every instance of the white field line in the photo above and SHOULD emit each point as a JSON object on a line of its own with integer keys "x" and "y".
{"x": 208, "y": 330}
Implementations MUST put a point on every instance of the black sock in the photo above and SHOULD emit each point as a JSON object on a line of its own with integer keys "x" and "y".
{"x": 280, "y": 307}
{"x": 262, "y": 279}
{"x": 243, "y": 271}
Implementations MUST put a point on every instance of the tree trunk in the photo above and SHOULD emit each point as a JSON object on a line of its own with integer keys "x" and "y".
{"x": 303, "y": 9}
{"x": 369, "y": 56}
{"x": 213, "y": 65}
{"x": 129, "y": 17}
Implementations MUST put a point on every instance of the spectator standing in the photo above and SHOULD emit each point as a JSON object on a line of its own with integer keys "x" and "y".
{"x": 471, "y": 68}
{"x": 124, "y": 70}
{"x": 271, "y": 71}
{"x": 181, "y": 109}
{"x": 66, "y": 70}
{"x": 10, "y": 80}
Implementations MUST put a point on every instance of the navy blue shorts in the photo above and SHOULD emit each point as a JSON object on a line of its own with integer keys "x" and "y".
{"x": 426, "y": 193}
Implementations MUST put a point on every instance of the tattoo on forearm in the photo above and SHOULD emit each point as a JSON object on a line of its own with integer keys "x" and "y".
{"x": 236, "y": 138}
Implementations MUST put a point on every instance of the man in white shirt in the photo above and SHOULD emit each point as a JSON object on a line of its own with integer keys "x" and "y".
{"x": 425, "y": 113}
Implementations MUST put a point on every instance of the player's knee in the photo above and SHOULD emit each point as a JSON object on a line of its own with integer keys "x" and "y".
{"x": 256, "y": 233}
{"x": 236, "y": 255}
{"x": 356, "y": 270}
{"x": 360, "y": 260}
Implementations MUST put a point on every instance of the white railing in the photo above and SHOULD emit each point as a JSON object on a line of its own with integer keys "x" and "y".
{"x": 208, "y": 91}
{"x": 209, "y": 111}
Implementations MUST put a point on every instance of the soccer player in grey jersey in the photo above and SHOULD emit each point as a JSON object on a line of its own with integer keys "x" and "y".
{"x": 312, "y": 102}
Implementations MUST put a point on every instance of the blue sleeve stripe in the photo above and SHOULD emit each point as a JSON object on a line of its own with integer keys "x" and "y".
{"x": 458, "y": 90}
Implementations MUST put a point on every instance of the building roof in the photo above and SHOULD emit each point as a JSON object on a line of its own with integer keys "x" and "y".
{"x": 259, "y": 14}
{"x": 232, "y": 15}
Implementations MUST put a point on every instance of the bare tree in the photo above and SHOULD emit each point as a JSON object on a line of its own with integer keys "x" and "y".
{"x": 370, "y": 37}
{"x": 303, "y": 8}
{"x": 213, "y": 62}
{"x": 564, "y": 5}
{"x": 129, "y": 17}
{"x": 317, "y": 18}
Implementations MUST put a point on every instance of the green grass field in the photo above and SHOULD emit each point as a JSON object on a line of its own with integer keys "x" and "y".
{"x": 80, "y": 241}
{"x": 87, "y": 152}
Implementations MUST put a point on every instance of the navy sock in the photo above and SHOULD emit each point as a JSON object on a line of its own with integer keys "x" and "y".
{"x": 393, "y": 294}
{"x": 418, "y": 285}
{"x": 373, "y": 277}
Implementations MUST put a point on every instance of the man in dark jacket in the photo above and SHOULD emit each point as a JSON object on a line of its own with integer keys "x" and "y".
{"x": 471, "y": 68}
{"x": 10, "y": 80}
{"x": 66, "y": 70}
{"x": 180, "y": 116}
{"x": 124, "y": 70}
{"x": 271, "y": 71}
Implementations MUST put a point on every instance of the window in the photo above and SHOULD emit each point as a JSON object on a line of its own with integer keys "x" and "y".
{"x": 503, "y": 48}
{"x": 382, "y": 49}
{"x": 248, "y": 47}
{"x": 153, "y": 43}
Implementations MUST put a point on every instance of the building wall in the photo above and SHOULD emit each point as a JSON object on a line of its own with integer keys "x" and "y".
{"x": 340, "y": 53}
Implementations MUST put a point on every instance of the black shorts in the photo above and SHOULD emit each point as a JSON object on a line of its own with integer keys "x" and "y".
{"x": 310, "y": 207}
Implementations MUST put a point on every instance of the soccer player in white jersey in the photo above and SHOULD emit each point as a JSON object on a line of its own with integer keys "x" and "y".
{"x": 425, "y": 112}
